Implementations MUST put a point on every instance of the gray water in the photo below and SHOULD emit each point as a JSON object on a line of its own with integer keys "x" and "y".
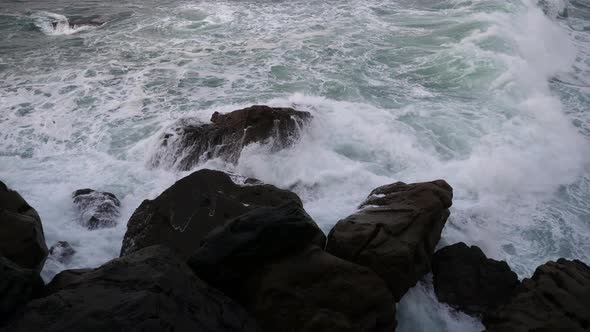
{"x": 490, "y": 95}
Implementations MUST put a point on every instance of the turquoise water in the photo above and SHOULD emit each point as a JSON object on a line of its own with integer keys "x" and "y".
{"x": 490, "y": 95}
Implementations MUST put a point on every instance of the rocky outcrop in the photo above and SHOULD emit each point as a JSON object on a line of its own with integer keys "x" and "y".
{"x": 96, "y": 209}
{"x": 62, "y": 252}
{"x": 556, "y": 298}
{"x": 149, "y": 290}
{"x": 469, "y": 281}
{"x": 315, "y": 291}
{"x": 270, "y": 259}
{"x": 21, "y": 233}
{"x": 190, "y": 141}
{"x": 17, "y": 287}
{"x": 229, "y": 254}
{"x": 395, "y": 232}
{"x": 186, "y": 212}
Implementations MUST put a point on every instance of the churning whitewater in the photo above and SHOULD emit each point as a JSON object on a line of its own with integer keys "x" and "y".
{"x": 490, "y": 95}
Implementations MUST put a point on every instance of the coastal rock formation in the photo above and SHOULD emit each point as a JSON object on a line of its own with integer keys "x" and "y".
{"x": 270, "y": 259}
{"x": 555, "y": 298}
{"x": 190, "y": 141}
{"x": 97, "y": 209}
{"x": 395, "y": 232}
{"x": 62, "y": 252}
{"x": 229, "y": 254}
{"x": 315, "y": 291}
{"x": 149, "y": 290}
{"x": 469, "y": 281}
{"x": 17, "y": 287}
{"x": 187, "y": 211}
{"x": 21, "y": 232}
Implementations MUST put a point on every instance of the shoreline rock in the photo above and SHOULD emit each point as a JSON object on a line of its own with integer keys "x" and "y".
{"x": 466, "y": 279}
{"x": 395, "y": 232}
{"x": 189, "y": 142}
{"x": 21, "y": 233}
{"x": 183, "y": 215}
{"x": 555, "y": 298}
{"x": 149, "y": 290}
{"x": 96, "y": 209}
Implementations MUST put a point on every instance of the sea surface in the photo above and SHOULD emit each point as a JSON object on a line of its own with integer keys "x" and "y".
{"x": 491, "y": 95}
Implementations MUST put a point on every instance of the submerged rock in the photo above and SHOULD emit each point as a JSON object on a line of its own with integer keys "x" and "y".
{"x": 315, "y": 291}
{"x": 17, "y": 287}
{"x": 555, "y": 298}
{"x": 230, "y": 254}
{"x": 395, "y": 232}
{"x": 186, "y": 212}
{"x": 469, "y": 281}
{"x": 62, "y": 252}
{"x": 21, "y": 233}
{"x": 97, "y": 209}
{"x": 190, "y": 141}
{"x": 76, "y": 22}
{"x": 149, "y": 290}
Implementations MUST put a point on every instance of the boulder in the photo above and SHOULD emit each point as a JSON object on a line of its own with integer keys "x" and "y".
{"x": 17, "y": 287}
{"x": 96, "y": 209}
{"x": 62, "y": 252}
{"x": 467, "y": 280}
{"x": 21, "y": 233}
{"x": 315, "y": 291}
{"x": 149, "y": 290}
{"x": 232, "y": 253}
{"x": 395, "y": 232}
{"x": 186, "y": 212}
{"x": 190, "y": 141}
{"x": 556, "y": 298}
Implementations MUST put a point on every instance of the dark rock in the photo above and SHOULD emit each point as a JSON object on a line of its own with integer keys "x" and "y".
{"x": 556, "y": 298}
{"x": 186, "y": 212}
{"x": 76, "y": 22}
{"x": 62, "y": 252}
{"x": 21, "y": 232}
{"x": 97, "y": 209}
{"x": 17, "y": 287}
{"x": 188, "y": 142}
{"x": 149, "y": 290}
{"x": 315, "y": 291}
{"x": 395, "y": 232}
{"x": 229, "y": 254}
{"x": 469, "y": 281}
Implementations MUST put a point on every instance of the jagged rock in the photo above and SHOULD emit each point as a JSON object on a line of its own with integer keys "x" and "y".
{"x": 229, "y": 254}
{"x": 395, "y": 232}
{"x": 187, "y": 211}
{"x": 469, "y": 281}
{"x": 315, "y": 291}
{"x": 556, "y": 298}
{"x": 149, "y": 290}
{"x": 21, "y": 233}
{"x": 97, "y": 209}
{"x": 17, "y": 287}
{"x": 62, "y": 252}
{"x": 190, "y": 141}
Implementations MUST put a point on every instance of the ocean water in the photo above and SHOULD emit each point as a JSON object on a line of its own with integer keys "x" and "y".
{"x": 491, "y": 95}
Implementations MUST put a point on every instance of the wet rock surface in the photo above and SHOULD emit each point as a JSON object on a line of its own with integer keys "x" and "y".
{"x": 18, "y": 286}
{"x": 467, "y": 280}
{"x": 190, "y": 141}
{"x": 230, "y": 254}
{"x": 315, "y": 291}
{"x": 555, "y": 298}
{"x": 395, "y": 232}
{"x": 21, "y": 233}
{"x": 150, "y": 290}
{"x": 183, "y": 215}
{"x": 96, "y": 209}
{"x": 62, "y": 252}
